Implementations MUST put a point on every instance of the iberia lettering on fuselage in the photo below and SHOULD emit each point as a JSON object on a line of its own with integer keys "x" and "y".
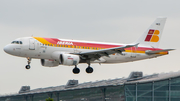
{"x": 64, "y": 43}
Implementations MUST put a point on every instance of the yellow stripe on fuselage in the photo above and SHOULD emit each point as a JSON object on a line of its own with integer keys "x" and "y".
{"x": 42, "y": 40}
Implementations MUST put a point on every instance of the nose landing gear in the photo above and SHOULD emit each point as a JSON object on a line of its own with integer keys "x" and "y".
{"x": 28, "y": 67}
{"x": 29, "y": 61}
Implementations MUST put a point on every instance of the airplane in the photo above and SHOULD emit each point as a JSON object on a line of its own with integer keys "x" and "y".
{"x": 53, "y": 52}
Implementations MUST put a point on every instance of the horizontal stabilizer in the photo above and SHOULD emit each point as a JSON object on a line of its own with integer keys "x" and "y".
{"x": 158, "y": 51}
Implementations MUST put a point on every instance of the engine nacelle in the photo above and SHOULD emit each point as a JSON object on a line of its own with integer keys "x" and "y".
{"x": 49, "y": 63}
{"x": 69, "y": 59}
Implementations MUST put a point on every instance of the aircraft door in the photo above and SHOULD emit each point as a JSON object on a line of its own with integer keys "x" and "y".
{"x": 31, "y": 44}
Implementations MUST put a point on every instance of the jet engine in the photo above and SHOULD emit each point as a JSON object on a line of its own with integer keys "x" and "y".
{"x": 49, "y": 63}
{"x": 66, "y": 59}
{"x": 69, "y": 59}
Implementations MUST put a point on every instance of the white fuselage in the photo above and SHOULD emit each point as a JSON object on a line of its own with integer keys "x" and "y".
{"x": 32, "y": 48}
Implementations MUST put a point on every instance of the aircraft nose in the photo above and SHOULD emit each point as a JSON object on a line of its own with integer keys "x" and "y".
{"x": 7, "y": 49}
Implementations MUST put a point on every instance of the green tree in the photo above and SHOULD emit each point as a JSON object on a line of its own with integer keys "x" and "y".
{"x": 49, "y": 99}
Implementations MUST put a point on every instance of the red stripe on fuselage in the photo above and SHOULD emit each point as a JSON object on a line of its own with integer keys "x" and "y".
{"x": 97, "y": 45}
{"x": 52, "y": 40}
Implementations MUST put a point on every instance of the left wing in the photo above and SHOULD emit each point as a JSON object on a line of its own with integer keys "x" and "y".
{"x": 93, "y": 55}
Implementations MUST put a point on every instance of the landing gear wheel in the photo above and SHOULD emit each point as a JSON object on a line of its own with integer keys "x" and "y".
{"x": 76, "y": 70}
{"x": 89, "y": 69}
{"x": 28, "y": 67}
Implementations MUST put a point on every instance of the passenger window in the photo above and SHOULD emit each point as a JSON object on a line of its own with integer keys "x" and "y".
{"x": 20, "y": 42}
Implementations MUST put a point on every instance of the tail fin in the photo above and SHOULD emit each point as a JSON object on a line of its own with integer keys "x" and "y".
{"x": 151, "y": 37}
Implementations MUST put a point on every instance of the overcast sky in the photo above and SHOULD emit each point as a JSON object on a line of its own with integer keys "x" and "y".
{"x": 119, "y": 21}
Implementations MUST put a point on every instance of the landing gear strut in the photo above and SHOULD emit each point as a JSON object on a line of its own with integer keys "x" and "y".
{"x": 76, "y": 70}
{"x": 89, "y": 69}
{"x": 29, "y": 61}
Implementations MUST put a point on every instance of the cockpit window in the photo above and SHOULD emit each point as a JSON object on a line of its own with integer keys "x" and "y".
{"x": 13, "y": 42}
{"x": 16, "y": 42}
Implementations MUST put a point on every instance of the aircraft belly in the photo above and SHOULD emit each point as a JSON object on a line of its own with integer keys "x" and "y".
{"x": 126, "y": 58}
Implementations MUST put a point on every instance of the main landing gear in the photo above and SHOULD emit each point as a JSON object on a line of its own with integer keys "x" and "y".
{"x": 89, "y": 69}
{"x": 29, "y": 61}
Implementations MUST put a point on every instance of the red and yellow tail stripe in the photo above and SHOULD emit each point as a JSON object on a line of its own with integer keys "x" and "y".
{"x": 152, "y": 36}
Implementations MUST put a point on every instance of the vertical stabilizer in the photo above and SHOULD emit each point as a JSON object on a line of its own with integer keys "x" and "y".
{"x": 151, "y": 37}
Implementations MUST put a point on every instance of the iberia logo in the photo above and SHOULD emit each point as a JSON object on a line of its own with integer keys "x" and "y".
{"x": 152, "y": 36}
